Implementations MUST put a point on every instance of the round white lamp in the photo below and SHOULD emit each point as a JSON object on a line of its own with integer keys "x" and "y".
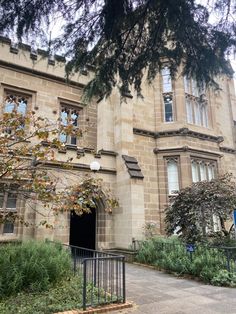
{"x": 95, "y": 166}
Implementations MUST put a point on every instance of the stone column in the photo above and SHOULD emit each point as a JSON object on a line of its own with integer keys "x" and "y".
{"x": 129, "y": 217}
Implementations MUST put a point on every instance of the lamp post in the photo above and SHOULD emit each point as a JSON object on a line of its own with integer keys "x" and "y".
{"x": 95, "y": 166}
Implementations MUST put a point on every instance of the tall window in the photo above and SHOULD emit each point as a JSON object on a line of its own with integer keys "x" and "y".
{"x": 196, "y": 103}
{"x": 203, "y": 170}
{"x": 167, "y": 94}
{"x": 172, "y": 175}
{"x": 8, "y": 209}
{"x": 69, "y": 116}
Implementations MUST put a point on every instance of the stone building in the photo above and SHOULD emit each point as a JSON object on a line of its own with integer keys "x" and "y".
{"x": 148, "y": 148}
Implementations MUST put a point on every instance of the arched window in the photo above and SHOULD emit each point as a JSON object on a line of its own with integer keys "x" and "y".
{"x": 69, "y": 115}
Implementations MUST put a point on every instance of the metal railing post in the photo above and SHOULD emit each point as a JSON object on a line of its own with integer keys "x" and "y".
{"x": 95, "y": 270}
{"x": 123, "y": 278}
{"x": 84, "y": 284}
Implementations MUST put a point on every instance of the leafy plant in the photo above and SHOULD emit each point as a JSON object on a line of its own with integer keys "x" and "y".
{"x": 192, "y": 210}
{"x": 207, "y": 263}
{"x": 24, "y": 153}
{"x": 31, "y": 266}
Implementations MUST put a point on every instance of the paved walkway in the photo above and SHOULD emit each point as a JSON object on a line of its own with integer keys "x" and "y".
{"x": 155, "y": 292}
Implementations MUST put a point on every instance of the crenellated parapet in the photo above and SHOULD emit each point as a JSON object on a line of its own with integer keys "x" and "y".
{"x": 40, "y": 62}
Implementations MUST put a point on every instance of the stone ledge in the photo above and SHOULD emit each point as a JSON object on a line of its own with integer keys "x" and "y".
{"x": 100, "y": 309}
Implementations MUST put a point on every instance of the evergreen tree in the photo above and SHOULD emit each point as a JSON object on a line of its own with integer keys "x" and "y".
{"x": 127, "y": 39}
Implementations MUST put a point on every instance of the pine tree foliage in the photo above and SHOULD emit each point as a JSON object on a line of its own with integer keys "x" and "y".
{"x": 127, "y": 39}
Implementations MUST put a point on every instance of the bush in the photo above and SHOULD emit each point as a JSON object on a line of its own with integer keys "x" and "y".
{"x": 224, "y": 278}
{"x": 62, "y": 296}
{"x": 31, "y": 266}
{"x": 170, "y": 254}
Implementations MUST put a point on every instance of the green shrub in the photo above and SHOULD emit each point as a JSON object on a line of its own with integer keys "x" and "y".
{"x": 224, "y": 278}
{"x": 170, "y": 254}
{"x": 31, "y": 266}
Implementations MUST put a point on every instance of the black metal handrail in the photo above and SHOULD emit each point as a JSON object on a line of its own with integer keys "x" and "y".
{"x": 103, "y": 275}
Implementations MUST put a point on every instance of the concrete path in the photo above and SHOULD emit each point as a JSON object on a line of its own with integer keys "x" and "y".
{"x": 155, "y": 292}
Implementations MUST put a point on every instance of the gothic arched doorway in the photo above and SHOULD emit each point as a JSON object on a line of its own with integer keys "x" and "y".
{"x": 83, "y": 229}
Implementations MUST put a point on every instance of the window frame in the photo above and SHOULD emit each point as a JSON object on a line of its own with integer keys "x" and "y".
{"x": 167, "y": 93}
{"x": 71, "y": 107}
{"x": 196, "y": 100}
{"x": 206, "y": 162}
{"x": 176, "y": 160}
{"x": 18, "y": 94}
{"x": 4, "y": 209}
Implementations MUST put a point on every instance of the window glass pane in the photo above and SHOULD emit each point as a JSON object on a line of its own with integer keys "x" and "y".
{"x": 9, "y": 106}
{"x": 204, "y": 115}
{"x": 166, "y": 80}
{"x": 22, "y": 105}
{"x": 172, "y": 176}
{"x": 63, "y": 137}
{"x": 195, "y": 89}
{"x": 197, "y": 113}
{"x": 195, "y": 173}
{"x": 168, "y": 108}
{"x": 187, "y": 85}
{"x": 64, "y": 116}
{"x": 8, "y": 227}
{"x": 74, "y": 118}
{"x": 73, "y": 140}
{"x": 203, "y": 171}
{"x": 189, "y": 110}
{"x": 211, "y": 172}
{"x": 11, "y": 201}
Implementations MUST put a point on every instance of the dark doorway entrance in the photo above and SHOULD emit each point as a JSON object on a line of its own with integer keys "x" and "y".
{"x": 83, "y": 229}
